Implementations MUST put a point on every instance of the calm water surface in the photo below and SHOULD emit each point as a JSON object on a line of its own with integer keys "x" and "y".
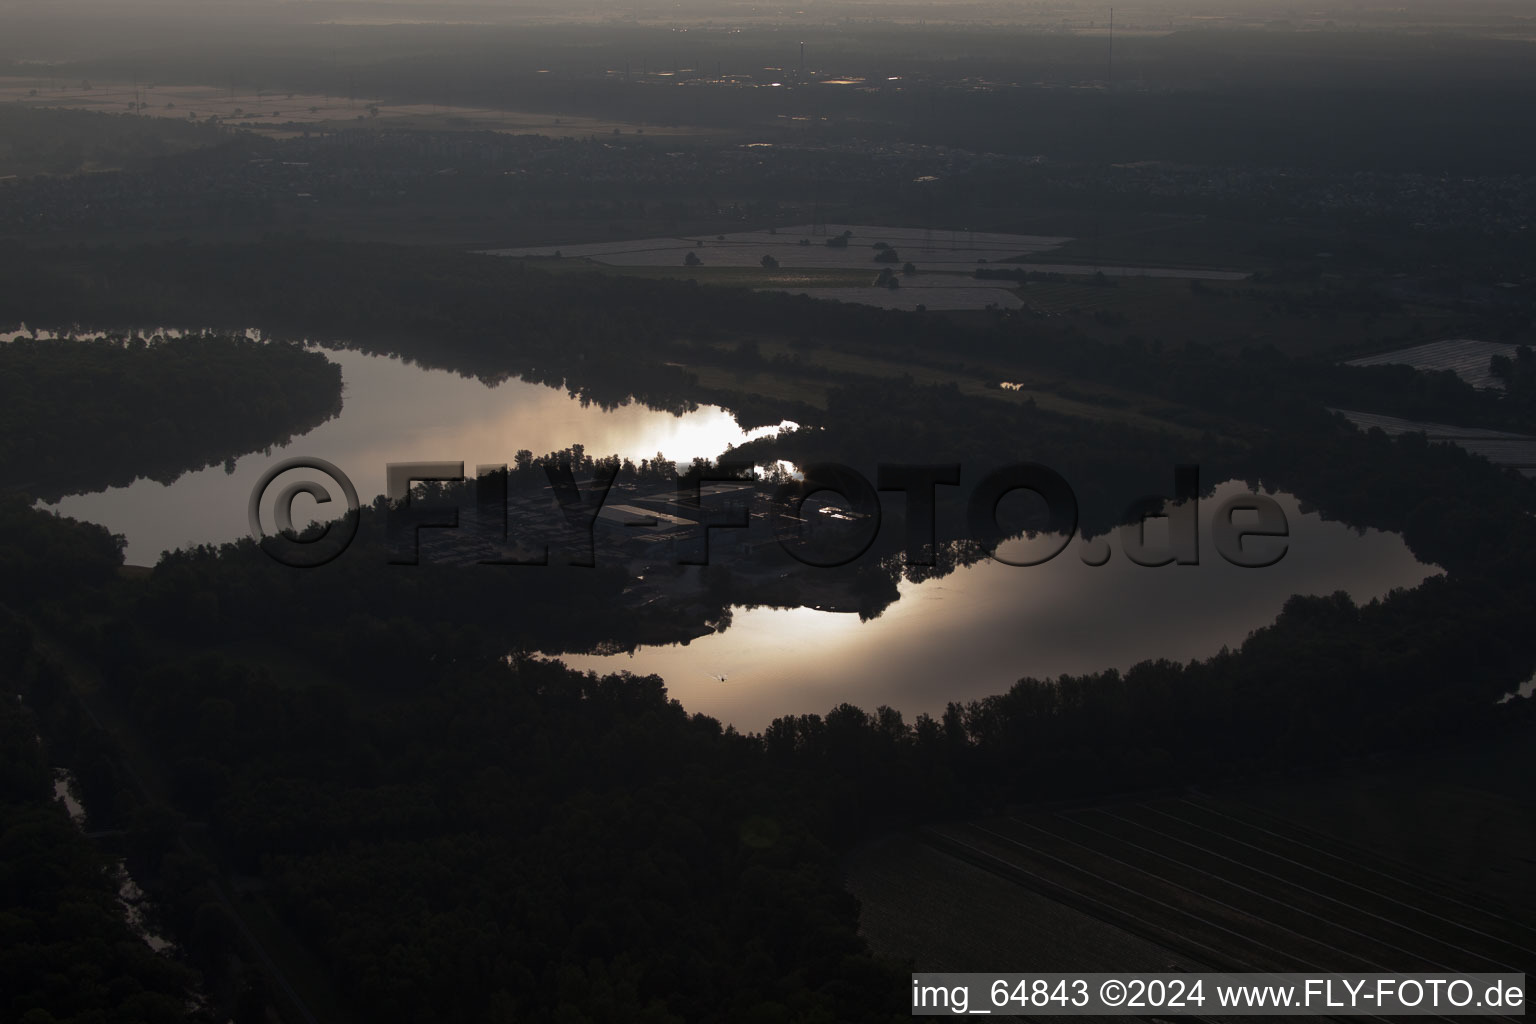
{"x": 967, "y": 635}
{"x": 396, "y": 412}
{"x": 978, "y": 630}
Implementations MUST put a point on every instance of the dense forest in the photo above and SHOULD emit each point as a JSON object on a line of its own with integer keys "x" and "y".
{"x": 1519, "y": 378}
{"x": 64, "y": 942}
{"x": 529, "y": 842}
{"x": 89, "y": 414}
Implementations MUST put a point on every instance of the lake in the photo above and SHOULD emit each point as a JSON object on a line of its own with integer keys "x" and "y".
{"x": 978, "y": 630}
{"x": 397, "y": 412}
{"x": 964, "y": 636}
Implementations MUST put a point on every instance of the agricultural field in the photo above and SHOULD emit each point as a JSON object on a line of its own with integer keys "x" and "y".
{"x": 1468, "y": 359}
{"x": 1467, "y": 813}
{"x": 964, "y": 917}
{"x": 944, "y": 265}
{"x": 918, "y": 297}
{"x": 1174, "y": 304}
{"x": 277, "y": 113}
{"x": 781, "y": 279}
{"x": 1518, "y": 451}
{"x": 804, "y": 245}
{"x": 1091, "y": 269}
{"x": 803, "y": 263}
{"x": 940, "y": 291}
{"x": 1210, "y": 880}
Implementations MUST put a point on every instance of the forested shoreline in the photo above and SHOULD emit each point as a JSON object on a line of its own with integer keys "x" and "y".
{"x": 89, "y": 414}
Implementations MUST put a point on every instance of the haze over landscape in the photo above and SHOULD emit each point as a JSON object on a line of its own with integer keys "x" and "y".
{"x": 710, "y": 511}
